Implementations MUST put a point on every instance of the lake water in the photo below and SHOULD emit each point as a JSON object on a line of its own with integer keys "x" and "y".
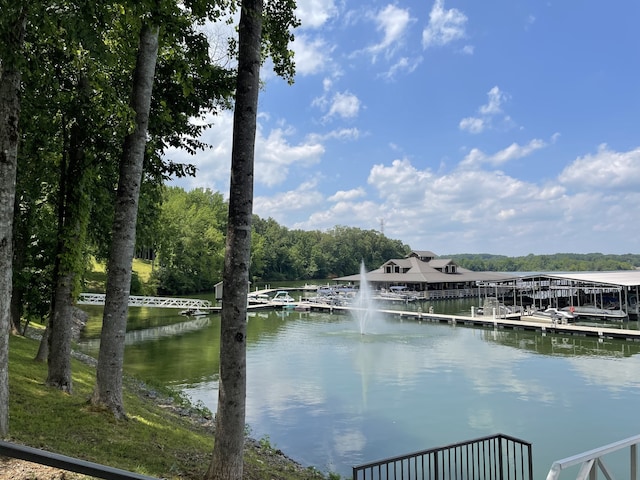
{"x": 332, "y": 398}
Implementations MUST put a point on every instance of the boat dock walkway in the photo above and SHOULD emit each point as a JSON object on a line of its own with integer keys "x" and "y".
{"x": 512, "y": 322}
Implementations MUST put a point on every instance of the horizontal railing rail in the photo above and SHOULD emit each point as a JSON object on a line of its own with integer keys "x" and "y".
{"x": 69, "y": 464}
{"x": 498, "y": 457}
{"x": 142, "y": 301}
{"x": 592, "y": 461}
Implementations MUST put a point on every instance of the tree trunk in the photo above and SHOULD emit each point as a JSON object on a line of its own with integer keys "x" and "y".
{"x": 108, "y": 388}
{"x": 69, "y": 261}
{"x": 227, "y": 458}
{"x": 10, "y": 79}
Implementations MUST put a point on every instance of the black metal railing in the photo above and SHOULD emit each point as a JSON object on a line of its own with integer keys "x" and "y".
{"x": 69, "y": 464}
{"x": 497, "y": 457}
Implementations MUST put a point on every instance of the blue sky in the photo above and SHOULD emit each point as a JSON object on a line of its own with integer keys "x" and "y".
{"x": 457, "y": 126}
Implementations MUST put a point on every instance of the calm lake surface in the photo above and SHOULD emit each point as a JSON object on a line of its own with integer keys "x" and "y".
{"x": 332, "y": 398}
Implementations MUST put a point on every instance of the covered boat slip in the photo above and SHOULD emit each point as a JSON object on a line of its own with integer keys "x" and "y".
{"x": 612, "y": 295}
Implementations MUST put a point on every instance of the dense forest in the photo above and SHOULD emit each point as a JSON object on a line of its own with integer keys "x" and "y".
{"x": 187, "y": 241}
{"x": 559, "y": 262}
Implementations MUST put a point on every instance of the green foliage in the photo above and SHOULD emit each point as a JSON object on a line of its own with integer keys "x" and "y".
{"x": 191, "y": 244}
{"x": 304, "y": 255}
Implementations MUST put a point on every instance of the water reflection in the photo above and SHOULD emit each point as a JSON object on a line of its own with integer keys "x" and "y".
{"x": 331, "y": 398}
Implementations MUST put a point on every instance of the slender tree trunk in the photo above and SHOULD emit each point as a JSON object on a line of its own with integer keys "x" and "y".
{"x": 70, "y": 253}
{"x": 43, "y": 350}
{"x": 10, "y": 79}
{"x": 108, "y": 388}
{"x": 227, "y": 458}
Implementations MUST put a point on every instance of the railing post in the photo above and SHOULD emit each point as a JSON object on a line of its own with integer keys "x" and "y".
{"x": 634, "y": 462}
{"x": 500, "y": 466}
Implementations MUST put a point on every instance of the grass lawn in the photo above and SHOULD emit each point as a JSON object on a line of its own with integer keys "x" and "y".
{"x": 158, "y": 439}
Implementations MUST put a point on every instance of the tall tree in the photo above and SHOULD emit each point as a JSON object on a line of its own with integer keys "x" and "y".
{"x": 12, "y": 28}
{"x": 108, "y": 388}
{"x": 227, "y": 458}
{"x": 73, "y": 219}
{"x": 263, "y": 31}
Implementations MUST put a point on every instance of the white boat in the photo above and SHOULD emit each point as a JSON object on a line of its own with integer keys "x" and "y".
{"x": 258, "y": 298}
{"x": 596, "y": 311}
{"x": 283, "y": 299}
{"x": 396, "y": 293}
{"x": 492, "y": 306}
{"x": 551, "y": 314}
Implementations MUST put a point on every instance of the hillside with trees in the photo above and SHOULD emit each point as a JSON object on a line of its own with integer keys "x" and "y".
{"x": 189, "y": 240}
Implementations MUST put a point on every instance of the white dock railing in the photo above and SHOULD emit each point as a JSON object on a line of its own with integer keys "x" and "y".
{"x": 591, "y": 461}
{"x": 139, "y": 301}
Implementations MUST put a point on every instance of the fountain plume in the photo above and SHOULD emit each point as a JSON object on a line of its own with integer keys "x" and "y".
{"x": 364, "y": 310}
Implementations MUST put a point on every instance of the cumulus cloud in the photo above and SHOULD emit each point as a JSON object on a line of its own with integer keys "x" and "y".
{"x": 474, "y": 209}
{"x": 312, "y": 55}
{"x": 392, "y": 22}
{"x": 445, "y": 26}
{"x": 278, "y": 206}
{"x": 343, "y": 105}
{"x": 315, "y": 13}
{"x": 343, "y": 195}
{"x": 606, "y": 170}
{"x": 275, "y": 154}
{"x": 487, "y": 113}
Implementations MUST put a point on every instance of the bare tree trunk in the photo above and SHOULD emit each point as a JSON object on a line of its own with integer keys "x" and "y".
{"x": 227, "y": 458}
{"x": 108, "y": 388}
{"x": 10, "y": 79}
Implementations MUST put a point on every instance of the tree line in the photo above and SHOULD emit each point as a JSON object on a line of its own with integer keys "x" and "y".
{"x": 559, "y": 262}
{"x": 188, "y": 242}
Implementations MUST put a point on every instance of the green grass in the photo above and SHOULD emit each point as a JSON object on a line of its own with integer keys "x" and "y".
{"x": 154, "y": 441}
{"x": 143, "y": 268}
{"x": 96, "y": 279}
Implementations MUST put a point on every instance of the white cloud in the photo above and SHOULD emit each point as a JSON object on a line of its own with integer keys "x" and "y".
{"x": 279, "y": 206}
{"x": 343, "y": 195}
{"x": 405, "y": 65}
{"x": 393, "y": 23}
{"x": 315, "y": 13}
{"x": 468, "y": 49}
{"x": 514, "y": 151}
{"x": 488, "y": 112}
{"x": 445, "y": 26}
{"x": 494, "y": 105}
{"x": 344, "y": 105}
{"x": 472, "y": 124}
{"x": 606, "y": 171}
{"x": 275, "y": 154}
{"x": 312, "y": 55}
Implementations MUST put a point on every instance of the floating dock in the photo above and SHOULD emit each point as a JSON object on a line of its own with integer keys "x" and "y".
{"x": 510, "y": 322}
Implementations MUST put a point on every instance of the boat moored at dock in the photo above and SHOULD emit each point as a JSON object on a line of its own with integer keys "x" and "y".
{"x": 596, "y": 311}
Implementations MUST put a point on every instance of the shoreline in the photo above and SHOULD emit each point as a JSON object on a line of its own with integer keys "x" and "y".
{"x": 179, "y": 405}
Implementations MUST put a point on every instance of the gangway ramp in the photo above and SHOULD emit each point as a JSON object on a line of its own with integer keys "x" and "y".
{"x": 141, "y": 301}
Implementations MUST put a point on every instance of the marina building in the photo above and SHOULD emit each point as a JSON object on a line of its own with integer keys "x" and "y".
{"x": 422, "y": 273}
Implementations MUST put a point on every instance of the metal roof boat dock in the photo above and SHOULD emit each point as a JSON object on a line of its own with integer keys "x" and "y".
{"x": 619, "y": 289}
